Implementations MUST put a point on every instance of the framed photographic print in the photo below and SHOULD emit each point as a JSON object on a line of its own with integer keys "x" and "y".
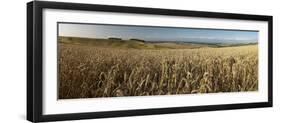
{"x": 95, "y": 61}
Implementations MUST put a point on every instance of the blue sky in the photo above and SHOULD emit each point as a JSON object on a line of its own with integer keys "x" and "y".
{"x": 157, "y": 33}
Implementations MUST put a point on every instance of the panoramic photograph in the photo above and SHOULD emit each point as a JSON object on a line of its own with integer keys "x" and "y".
{"x": 102, "y": 60}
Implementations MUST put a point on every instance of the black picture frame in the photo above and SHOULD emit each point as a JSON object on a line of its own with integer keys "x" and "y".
{"x": 34, "y": 60}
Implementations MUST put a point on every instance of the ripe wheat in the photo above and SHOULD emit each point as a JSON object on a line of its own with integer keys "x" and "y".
{"x": 89, "y": 71}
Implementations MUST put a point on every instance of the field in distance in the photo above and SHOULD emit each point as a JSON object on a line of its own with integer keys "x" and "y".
{"x": 141, "y": 44}
{"x": 91, "y": 68}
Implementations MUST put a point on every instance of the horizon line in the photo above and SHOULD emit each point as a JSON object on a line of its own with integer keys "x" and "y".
{"x": 130, "y": 39}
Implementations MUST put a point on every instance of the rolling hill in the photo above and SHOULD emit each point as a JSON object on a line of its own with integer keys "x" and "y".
{"x": 140, "y": 44}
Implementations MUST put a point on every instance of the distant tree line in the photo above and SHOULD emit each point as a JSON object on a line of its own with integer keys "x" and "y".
{"x": 113, "y": 38}
{"x": 135, "y": 39}
{"x": 132, "y": 39}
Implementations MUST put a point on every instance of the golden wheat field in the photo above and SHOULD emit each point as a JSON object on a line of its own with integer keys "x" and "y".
{"x": 87, "y": 71}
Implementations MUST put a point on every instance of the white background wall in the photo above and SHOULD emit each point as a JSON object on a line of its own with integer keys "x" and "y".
{"x": 13, "y": 61}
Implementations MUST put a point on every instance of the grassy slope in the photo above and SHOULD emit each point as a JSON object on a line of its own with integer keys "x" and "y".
{"x": 136, "y": 44}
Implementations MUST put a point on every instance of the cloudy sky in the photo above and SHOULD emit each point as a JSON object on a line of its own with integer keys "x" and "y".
{"x": 157, "y": 33}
